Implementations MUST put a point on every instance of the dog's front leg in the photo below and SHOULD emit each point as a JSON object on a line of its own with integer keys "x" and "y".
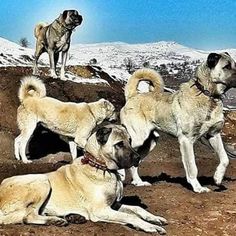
{"x": 52, "y": 63}
{"x": 136, "y": 180}
{"x": 188, "y": 159}
{"x": 112, "y": 216}
{"x": 63, "y": 64}
{"x": 73, "y": 149}
{"x": 145, "y": 215}
{"x": 39, "y": 50}
{"x": 217, "y": 144}
{"x": 122, "y": 174}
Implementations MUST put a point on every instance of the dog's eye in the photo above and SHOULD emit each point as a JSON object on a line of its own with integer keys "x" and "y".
{"x": 120, "y": 144}
{"x": 228, "y": 66}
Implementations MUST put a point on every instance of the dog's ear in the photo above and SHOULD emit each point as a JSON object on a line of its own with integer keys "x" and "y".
{"x": 102, "y": 135}
{"x": 213, "y": 59}
{"x": 105, "y": 102}
{"x": 76, "y": 13}
{"x": 64, "y": 14}
{"x": 227, "y": 53}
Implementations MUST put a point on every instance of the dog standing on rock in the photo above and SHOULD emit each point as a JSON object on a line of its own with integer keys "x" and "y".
{"x": 55, "y": 38}
{"x": 196, "y": 109}
{"x": 73, "y": 120}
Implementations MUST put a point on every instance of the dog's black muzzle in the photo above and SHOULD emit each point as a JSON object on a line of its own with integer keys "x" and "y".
{"x": 231, "y": 82}
{"x": 78, "y": 20}
{"x": 129, "y": 159}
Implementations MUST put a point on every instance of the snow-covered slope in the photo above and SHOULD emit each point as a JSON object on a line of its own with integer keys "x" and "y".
{"x": 11, "y": 54}
{"x": 109, "y": 56}
{"x": 115, "y": 53}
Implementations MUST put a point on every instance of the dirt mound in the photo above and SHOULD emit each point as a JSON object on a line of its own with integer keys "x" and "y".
{"x": 189, "y": 214}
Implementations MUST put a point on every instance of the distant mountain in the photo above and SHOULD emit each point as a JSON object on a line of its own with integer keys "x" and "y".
{"x": 111, "y": 57}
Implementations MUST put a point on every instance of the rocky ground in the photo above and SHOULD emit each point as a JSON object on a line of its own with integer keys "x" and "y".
{"x": 170, "y": 196}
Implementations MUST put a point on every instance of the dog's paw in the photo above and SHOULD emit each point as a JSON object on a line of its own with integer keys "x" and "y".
{"x": 57, "y": 221}
{"x": 140, "y": 183}
{"x": 27, "y": 161}
{"x": 218, "y": 178}
{"x": 202, "y": 190}
{"x": 75, "y": 219}
{"x": 53, "y": 75}
{"x": 63, "y": 78}
{"x": 150, "y": 228}
{"x": 158, "y": 220}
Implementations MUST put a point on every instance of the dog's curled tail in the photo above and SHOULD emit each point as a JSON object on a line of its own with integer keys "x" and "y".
{"x": 38, "y": 28}
{"x": 157, "y": 84}
{"x": 31, "y": 87}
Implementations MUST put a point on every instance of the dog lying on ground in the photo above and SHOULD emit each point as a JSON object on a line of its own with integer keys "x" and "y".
{"x": 55, "y": 38}
{"x": 195, "y": 110}
{"x": 73, "y": 120}
{"x": 87, "y": 187}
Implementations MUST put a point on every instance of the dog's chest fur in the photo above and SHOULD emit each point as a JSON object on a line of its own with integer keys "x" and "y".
{"x": 197, "y": 115}
{"x": 84, "y": 186}
{"x": 63, "y": 42}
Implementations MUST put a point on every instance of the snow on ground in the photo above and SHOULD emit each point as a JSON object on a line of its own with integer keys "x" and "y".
{"x": 110, "y": 56}
{"x": 78, "y": 79}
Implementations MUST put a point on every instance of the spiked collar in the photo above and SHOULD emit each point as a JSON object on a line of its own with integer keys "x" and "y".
{"x": 93, "y": 161}
{"x": 204, "y": 91}
{"x": 63, "y": 25}
{"x": 63, "y": 30}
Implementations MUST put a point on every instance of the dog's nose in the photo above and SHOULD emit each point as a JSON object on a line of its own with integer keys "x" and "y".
{"x": 80, "y": 19}
{"x": 232, "y": 81}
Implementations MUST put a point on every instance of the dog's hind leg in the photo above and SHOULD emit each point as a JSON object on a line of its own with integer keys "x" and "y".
{"x": 25, "y": 137}
{"x": 17, "y": 147}
{"x": 39, "y": 50}
{"x": 188, "y": 159}
{"x": 217, "y": 144}
{"x": 73, "y": 149}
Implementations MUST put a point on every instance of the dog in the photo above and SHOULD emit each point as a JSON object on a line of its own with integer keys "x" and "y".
{"x": 55, "y": 38}
{"x": 194, "y": 110}
{"x": 88, "y": 187}
{"x": 73, "y": 120}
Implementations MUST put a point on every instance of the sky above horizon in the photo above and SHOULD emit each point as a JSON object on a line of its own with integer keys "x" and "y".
{"x": 202, "y": 24}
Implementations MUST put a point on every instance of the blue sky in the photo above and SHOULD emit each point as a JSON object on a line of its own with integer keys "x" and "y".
{"x": 203, "y": 24}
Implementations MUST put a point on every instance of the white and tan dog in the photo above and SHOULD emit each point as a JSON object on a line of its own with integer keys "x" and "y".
{"x": 87, "y": 187}
{"x": 195, "y": 110}
{"x": 73, "y": 120}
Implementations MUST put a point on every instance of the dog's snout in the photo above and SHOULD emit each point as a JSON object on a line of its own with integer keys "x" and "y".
{"x": 80, "y": 19}
{"x": 231, "y": 82}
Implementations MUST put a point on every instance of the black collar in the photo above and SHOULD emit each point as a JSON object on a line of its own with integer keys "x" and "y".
{"x": 63, "y": 26}
{"x": 204, "y": 91}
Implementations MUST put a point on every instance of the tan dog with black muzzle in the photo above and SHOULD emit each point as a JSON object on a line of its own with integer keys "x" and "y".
{"x": 87, "y": 187}
{"x": 196, "y": 109}
{"x": 55, "y": 38}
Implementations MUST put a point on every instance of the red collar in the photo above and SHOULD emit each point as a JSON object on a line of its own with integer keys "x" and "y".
{"x": 92, "y": 161}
